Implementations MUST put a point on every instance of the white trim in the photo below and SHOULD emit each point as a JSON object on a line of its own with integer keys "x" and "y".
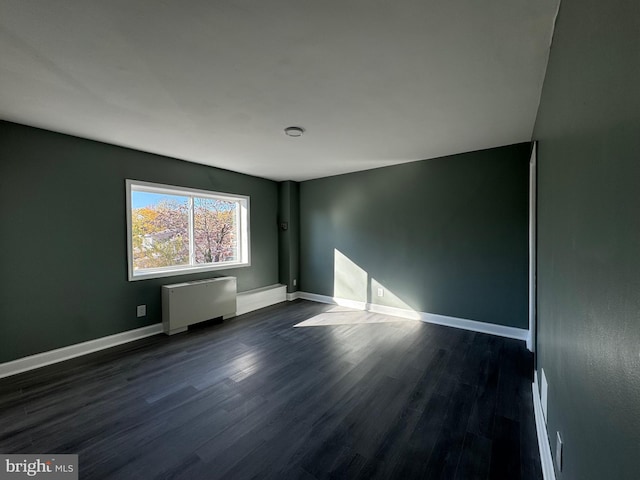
{"x": 343, "y": 302}
{"x": 182, "y": 270}
{"x": 246, "y": 302}
{"x": 544, "y": 394}
{"x": 260, "y": 298}
{"x": 162, "y": 188}
{"x": 462, "y": 323}
{"x": 546, "y": 460}
{"x": 192, "y": 240}
{"x": 244, "y": 232}
{"x": 531, "y": 339}
{"x": 65, "y": 353}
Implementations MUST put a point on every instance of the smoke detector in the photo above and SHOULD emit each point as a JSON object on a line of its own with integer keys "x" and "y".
{"x": 294, "y": 131}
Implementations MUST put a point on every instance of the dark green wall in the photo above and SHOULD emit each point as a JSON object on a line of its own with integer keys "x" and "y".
{"x": 588, "y": 128}
{"x": 289, "y": 239}
{"x": 63, "y": 253}
{"x": 446, "y": 236}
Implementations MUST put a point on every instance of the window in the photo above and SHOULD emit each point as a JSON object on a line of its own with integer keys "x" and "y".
{"x": 174, "y": 231}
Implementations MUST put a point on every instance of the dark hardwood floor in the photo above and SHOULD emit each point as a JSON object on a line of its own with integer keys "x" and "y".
{"x": 359, "y": 395}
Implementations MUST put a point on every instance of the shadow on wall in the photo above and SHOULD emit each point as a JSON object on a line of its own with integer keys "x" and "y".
{"x": 354, "y": 287}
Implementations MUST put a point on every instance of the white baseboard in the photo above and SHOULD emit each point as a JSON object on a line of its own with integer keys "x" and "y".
{"x": 260, "y": 298}
{"x": 65, "y": 353}
{"x": 246, "y": 302}
{"x": 293, "y": 296}
{"x": 543, "y": 438}
{"x": 343, "y": 302}
{"x": 462, "y": 323}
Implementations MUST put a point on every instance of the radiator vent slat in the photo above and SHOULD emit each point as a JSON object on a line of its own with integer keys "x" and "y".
{"x": 184, "y": 304}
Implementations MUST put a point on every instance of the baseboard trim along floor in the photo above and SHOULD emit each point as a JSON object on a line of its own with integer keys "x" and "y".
{"x": 462, "y": 323}
{"x": 248, "y": 302}
{"x": 373, "y": 397}
{"x": 260, "y": 298}
{"x": 72, "y": 351}
{"x": 543, "y": 438}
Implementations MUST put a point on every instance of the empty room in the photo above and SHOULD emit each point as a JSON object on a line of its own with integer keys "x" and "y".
{"x": 320, "y": 240}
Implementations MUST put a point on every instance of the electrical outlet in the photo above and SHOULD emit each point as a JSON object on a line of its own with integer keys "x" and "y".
{"x": 295, "y": 282}
{"x": 380, "y": 292}
{"x": 141, "y": 310}
{"x": 558, "y": 451}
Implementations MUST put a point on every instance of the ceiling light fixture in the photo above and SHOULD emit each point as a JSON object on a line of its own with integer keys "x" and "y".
{"x": 294, "y": 131}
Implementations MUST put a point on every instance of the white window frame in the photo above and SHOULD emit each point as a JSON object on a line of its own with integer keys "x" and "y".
{"x": 244, "y": 245}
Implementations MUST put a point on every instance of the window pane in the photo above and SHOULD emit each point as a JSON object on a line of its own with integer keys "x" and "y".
{"x": 215, "y": 230}
{"x": 159, "y": 230}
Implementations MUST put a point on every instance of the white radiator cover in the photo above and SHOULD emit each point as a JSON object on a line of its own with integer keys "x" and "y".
{"x": 184, "y": 304}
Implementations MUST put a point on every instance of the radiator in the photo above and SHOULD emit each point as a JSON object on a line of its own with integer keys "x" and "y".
{"x": 184, "y": 304}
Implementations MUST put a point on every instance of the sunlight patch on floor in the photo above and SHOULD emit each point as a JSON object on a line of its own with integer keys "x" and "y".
{"x": 345, "y": 316}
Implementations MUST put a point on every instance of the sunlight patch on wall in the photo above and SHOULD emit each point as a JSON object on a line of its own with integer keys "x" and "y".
{"x": 350, "y": 281}
{"x": 356, "y": 290}
{"x": 388, "y": 298}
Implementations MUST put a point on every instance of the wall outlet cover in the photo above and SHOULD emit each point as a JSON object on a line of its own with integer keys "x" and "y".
{"x": 380, "y": 292}
{"x": 141, "y": 310}
{"x": 295, "y": 282}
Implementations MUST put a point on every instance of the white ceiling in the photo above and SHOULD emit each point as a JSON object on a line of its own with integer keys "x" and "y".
{"x": 374, "y": 82}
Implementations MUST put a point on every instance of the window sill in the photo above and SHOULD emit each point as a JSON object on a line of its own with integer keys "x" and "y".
{"x": 173, "y": 272}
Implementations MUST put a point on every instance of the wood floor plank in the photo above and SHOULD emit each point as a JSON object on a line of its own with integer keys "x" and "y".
{"x": 256, "y": 397}
{"x": 505, "y": 451}
{"x": 473, "y": 464}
